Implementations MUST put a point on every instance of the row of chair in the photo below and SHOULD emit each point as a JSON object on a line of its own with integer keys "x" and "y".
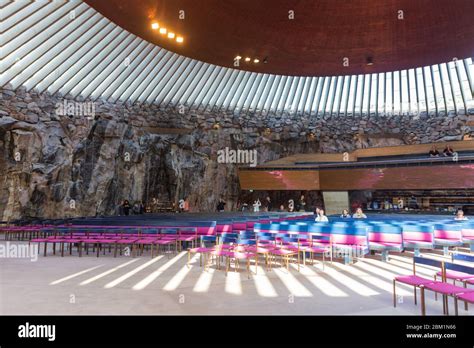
{"x": 137, "y": 238}
{"x": 231, "y": 247}
{"x": 444, "y": 271}
{"x": 383, "y": 237}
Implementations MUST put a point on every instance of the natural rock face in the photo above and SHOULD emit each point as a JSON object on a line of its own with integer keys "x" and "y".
{"x": 61, "y": 157}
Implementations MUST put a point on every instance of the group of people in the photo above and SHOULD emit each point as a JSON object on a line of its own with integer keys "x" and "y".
{"x": 447, "y": 152}
{"x": 254, "y": 206}
{"x": 359, "y": 214}
{"x": 321, "y": 217}
{"x": 397, "y": 203}
{"x": 267, "y": 205}
{"x": 125, "y": 208}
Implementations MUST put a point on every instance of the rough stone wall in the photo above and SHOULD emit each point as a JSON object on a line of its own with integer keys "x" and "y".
{"x": 73, "y": 165}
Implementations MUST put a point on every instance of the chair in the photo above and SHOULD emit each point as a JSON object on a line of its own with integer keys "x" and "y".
{"x": 241, "y": 252}
{"x": 418, "y": 236}
{"x": 448, "y": 235}
{"x": 286, "y": 249}
{"x": 449, "y": 289}
{"x": 169, "y": 237}
{"x": 319, "y": 244}
{"x": 202, "y": 249}
{"x": 414, "y": 280}
{"x": 385, "y": 238}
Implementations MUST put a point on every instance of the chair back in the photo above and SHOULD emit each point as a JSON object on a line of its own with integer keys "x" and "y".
{"x": 429, "y": 262}
{"x": 462, "y": 257}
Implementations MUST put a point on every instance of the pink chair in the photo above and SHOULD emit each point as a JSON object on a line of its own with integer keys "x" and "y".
{"x": 414, "y": 280}
{"x": 467, "y": 297}
{"x": 239, "y": 255}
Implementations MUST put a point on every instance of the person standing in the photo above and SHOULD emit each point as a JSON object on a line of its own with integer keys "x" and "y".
{"x": 268, "y": 204}
{"x": 126, "y": 208}
{"x": 256, "y": 205}
{"x": 302, "y": 204}
{"x": 120, "y": 209}
{"x": 220, "y": 205}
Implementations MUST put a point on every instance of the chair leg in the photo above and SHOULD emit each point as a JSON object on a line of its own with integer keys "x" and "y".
{"x": 414, "y": 291}
{"x": 444, "y": 304}
{"x": 465, "y": 302}
{"x": 394, "y": 294}
{"x": 248, "y": 268}
{"x": 45, "y": 247}
{"x": 422, "y": 294}
{"x": 436, "y": 294}
{"x": 446, "y": 300}
{"x": 455, "y": 306}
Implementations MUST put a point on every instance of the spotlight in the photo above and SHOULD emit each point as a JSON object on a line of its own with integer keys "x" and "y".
{"x": 265, "y": 60}
{"x": 256, "y": 61}
{"x": 163, "y": 30}
{"x": 179, "y": 39}
{"x": 370, "y": 61}
{"x": 238, "y": 57}
{"x": 247, "y": 59}
{"x": 171, "y": 35}
{"x": 155, "y": 25}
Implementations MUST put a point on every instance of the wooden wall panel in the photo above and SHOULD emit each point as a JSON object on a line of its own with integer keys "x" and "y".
{"x": 399, "y": 178}
{"x": 455, "y": 176}
{"x": 279, "y": 180}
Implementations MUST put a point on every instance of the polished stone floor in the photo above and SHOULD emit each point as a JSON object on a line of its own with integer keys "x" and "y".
{"x": 166, "y": 285}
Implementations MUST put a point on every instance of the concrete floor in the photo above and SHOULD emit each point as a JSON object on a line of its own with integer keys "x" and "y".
{"x": 106, "y": 285}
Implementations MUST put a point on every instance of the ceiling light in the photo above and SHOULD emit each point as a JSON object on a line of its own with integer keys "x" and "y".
{"x": 162, "y": 30}
{"x": 256, "y": 61}
{"x": 247, "y": 59}
{"x": 370, "y": 61}
{"x": 265, "y": 60}
{"x": 155, "y": 25}
{"x": 179, "y": 39}
{"x": 171, "y": 35}
{"x": 238, "y": 57}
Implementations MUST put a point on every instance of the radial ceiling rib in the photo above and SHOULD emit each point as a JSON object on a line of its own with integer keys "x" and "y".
{"x": 67, "y": 47}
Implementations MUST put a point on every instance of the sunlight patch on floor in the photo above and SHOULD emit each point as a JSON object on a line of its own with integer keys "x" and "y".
{"x": 74, "y": 275}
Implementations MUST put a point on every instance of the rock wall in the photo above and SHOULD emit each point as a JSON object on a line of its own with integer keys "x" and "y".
{"x": 61, "y": 157}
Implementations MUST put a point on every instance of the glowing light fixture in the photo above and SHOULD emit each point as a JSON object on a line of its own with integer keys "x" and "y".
{"x": 179, "y": 39}
{"x": 163, "y": 30}
{"x": 171, "y": 35}
{"x": 238, "y": 57}
{"x": 155, "y": 25}
{"x": 247, "y": 59}
{"x": 256, "y": 60}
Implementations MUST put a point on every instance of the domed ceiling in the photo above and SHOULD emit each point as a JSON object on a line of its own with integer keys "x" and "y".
{"x": 305, "y": 37}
